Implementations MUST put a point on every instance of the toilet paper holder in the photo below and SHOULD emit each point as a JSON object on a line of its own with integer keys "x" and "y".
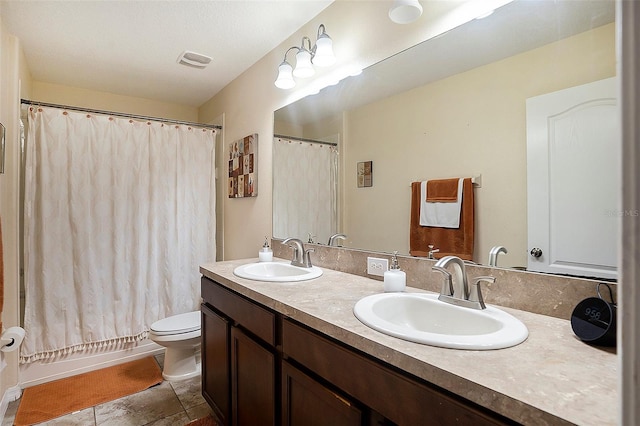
{"x": 7, "y": 341}
{"x": 11, "y": 339}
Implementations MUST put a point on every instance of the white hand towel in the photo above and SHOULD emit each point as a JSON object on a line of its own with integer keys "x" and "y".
{"x": 440, "y": 215}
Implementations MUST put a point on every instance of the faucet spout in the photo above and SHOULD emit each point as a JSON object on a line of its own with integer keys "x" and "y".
{"x": 298, "y": 251}
{"x": 457, "y": 292}
{"x": 334, "y": 237}
{"x": 460, "y": 285}
{"x": 493, "y": 254}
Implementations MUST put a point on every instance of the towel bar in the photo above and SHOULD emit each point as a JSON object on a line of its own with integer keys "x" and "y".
{"x": 476, "y": 181}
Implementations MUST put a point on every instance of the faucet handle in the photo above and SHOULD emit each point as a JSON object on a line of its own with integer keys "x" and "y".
{"x": 475, "y": 295}
{"x": 447, "y": 283}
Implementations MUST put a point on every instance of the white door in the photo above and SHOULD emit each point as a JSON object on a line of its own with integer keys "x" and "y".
{"x": 573, "y": 180}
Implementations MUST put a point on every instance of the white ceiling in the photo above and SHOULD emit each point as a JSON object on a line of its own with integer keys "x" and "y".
{"x": 131, "y": 47}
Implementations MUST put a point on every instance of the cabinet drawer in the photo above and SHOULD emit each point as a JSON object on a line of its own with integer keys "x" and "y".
{"x": 399, "y": 398}
{"x": 259, "y": 321}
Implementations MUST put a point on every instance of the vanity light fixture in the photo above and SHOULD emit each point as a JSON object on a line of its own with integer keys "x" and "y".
{"x": 405, "y": 11}
{"x": 321, "y": 55}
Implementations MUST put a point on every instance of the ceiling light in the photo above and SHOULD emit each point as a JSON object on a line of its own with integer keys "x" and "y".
{"x": 405, "y": 11}
{"x": 321, "y": 55}
{"x": 485, "y": 15}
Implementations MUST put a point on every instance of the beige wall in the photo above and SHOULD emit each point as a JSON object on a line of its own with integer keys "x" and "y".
{"x": 12, "y": 69}
{"x": 249, "y": 101}
{"x": 84, "y": 98}
{"x": 471, "y": 123}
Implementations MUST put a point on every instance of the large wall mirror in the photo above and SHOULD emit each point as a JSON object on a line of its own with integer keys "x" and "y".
{"x": 452, "y": 106}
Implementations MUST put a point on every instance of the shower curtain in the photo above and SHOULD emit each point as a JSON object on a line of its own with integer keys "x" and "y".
{"x": 305, "y": 180}
{"x": 119, "y": 213}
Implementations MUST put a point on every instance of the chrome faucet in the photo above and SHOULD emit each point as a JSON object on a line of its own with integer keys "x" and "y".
{"x": 457, "y": 292}
{"x": 493, "y": 254}
{"x": 334, "y": 237}
{"x": 432, "y": 251}
{"x": 301, "y": 257}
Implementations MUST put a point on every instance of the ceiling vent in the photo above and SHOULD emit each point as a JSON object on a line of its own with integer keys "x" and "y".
{"x": 193, "y": 59}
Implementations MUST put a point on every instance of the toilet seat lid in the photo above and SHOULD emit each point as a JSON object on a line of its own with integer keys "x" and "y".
{"x": 181, "y": 323}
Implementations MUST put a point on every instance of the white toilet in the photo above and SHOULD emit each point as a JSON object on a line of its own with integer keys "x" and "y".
{"x": 180, "y": 334}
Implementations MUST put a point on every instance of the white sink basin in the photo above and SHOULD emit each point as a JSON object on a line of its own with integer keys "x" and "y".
{"x": 276, "y": 272}
{"x": 422, "y": 318}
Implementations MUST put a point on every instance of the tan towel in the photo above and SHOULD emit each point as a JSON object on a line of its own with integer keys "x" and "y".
{"x": 442, "y": 190}
{"x": 451, "y": 242}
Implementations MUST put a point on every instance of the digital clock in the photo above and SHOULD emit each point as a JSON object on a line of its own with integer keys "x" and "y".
{"x": 594, "y": 321}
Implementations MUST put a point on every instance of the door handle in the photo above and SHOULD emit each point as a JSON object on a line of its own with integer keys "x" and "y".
{"x": 536, "y": 252}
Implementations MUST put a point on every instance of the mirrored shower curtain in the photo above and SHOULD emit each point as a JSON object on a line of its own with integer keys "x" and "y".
{"x": 305, "y": 184}
{"x": 119, "y": 214}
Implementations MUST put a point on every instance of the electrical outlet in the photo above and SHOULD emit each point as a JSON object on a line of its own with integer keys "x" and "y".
{"x": 377, "y": 266}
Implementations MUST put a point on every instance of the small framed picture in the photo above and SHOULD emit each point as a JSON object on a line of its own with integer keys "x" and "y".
{"x": 243, "y": 167}
{"x": 365, "y": 174}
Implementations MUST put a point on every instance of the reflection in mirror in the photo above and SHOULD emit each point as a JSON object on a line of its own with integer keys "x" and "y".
{"x": 454, "y": 106}
{"x": 305, "y": 185}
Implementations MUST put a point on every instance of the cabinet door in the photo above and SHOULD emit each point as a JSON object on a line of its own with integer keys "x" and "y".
{"x": 216, "y": 363}
{"x": 253, "y": 381}
{"x": 305, "y": 402}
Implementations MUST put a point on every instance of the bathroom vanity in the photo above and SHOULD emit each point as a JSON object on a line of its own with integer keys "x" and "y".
{"x": 294, "y": 353}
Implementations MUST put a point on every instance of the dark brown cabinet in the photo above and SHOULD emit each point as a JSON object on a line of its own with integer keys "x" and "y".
{"x": 306, "y": 402}
{"x": 239, "y": 359}
{"x": 253, "y": 381}
{"x": 216, "y": 372}
{"x": 398, "y": 397}
{"x": 262, "y": 368}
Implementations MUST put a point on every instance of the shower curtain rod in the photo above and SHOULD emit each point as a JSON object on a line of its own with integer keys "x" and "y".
{"x": 120, "y": 114}
{"x": 295, "y": 138}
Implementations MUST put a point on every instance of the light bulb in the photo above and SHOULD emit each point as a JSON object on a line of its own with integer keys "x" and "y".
{"x": 285, "y": 76}
{"x": 303, "y": 64}
{"x": 324, "y": 56}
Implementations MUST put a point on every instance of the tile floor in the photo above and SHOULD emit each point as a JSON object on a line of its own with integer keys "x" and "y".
{"x": 167, "y": 404}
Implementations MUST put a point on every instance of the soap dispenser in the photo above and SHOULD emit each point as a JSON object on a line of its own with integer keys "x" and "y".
{"x": 394, "y": 278}
{"x": 265, "y": 254}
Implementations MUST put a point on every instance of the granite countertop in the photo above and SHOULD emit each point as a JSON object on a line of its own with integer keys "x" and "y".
{"x": 551, "y": 378}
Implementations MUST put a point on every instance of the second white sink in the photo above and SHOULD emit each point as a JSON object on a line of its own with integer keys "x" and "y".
{"x": 422, "y": 318}
{"x": 276, "y": 272}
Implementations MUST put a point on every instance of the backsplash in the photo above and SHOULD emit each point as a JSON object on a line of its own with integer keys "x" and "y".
{"x": 545, "y": 294}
